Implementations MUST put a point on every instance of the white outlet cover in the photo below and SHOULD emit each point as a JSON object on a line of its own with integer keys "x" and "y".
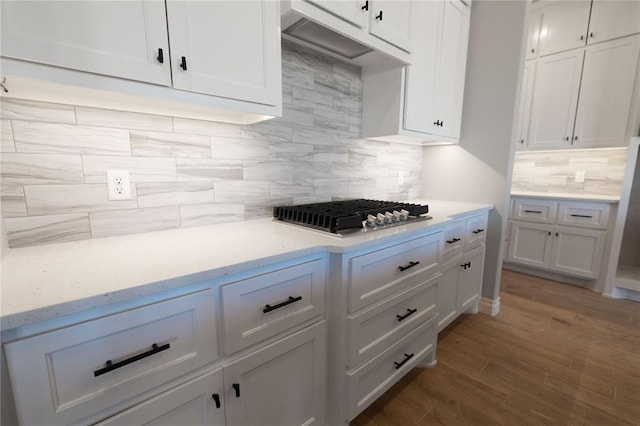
{"x": 119, "y": 185}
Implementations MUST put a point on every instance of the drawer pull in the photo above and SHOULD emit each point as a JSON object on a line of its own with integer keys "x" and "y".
{"x": 216, "y": 399}
{"x": 466, "y": 265}
{"x": 290, "y": 300}
{"x": 236, "y": 387}
{"x": 477, "y": 231}
{"x": 455, "y": 240}
{"x": 533, "y": 211}
{"x": 407, "y": 357}
{"x": 111, "y": 366}
{"x": 410, "y": 265}
{"x": 582, "y": 215}
{"x": 408, "y": 314}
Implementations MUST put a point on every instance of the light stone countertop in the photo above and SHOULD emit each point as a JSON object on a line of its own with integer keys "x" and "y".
{"x": 51, "y": 281}
{"x": 576, "y": 197}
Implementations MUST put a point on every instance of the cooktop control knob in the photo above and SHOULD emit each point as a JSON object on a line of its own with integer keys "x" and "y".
{"x": 404, "y": 215}
{"x": 396, "y": 216}
{"x": 388, "y": 217}
{"x": 371, "y": 221}
{"x": 380, "y": 219}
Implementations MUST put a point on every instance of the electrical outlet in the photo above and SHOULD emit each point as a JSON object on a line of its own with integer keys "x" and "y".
{"x": 118, "y": 184}
{"x": 580, "y": 177}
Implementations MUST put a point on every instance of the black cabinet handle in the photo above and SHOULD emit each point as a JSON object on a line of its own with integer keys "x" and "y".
{"x": 582, "y": 37}
{"x": 160, "y": 57}
{"x": 290, "y": 300}
{"x": 466, "y": 265}
{"x": 521, "y": 140}
{"x": 407, "y": 357}
{"x": 455, "y": 240}
{"x": 236, "y": 386}
{"x": 533, "y": 50}
{"x": 557, "y": 234}
{"x": 567, "y": 138}
{"x": 379, "y": 16}
{"x": 410, "y": 265}
{"x": 216, "y": 399}
{"x": 110, "y": 366}
{"x": 575, "y": 138}
{"x": 533, "y": 211}
{"x": 366, "y": 5}
{"x": 591, "y": 34}
{"x": 549, "y": 232}
{"x": 477, "y": 231}
{"x": 408, "y": 314}
{"x": 183, "y": 63}
{"x": 582, "y": 215}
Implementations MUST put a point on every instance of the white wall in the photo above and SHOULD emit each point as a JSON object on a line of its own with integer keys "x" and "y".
{"x": 479, "y": 168}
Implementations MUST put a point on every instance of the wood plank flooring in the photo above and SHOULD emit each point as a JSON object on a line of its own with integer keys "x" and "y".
{"x": 555, "y": 354}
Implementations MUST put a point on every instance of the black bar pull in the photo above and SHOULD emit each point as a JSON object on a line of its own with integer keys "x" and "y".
{"x": 533, "y": 211}
{"x": 407, "y": 357}
{"x": 521, "y": 140}
{"x": 582, "y": 215}
{"x": 366, "y": 5}
{"x": 454, "y": 240}
{"x": 410, "y": 265}
{"x": 566, "y": 138}
{"x": 477, "y": 231}
{"x": 591, "y": 34}
{"x": 110, "y": 366}
{"x": 408, "y": 314}
{"x": 575, "y": 138}
{"x": 216, "y": 399}
{"x": 557, "y": 234}
{"x": 379, "y": 16}
{"x": 160, "y": 57}
{"x": 549, "y": 232}
{"x": 236, "y": 386}
{"x": 533, "y": 50}
{"x": 183, "y": 63}
{"x": 582, "y": 37}
{"x": 290, "y": 300}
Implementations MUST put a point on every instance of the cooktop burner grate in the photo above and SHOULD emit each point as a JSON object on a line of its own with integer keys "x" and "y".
{"x": 336, "y": 216}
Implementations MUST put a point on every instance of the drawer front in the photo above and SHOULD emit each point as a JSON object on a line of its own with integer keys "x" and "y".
{"x": 476, "y": 231}
{"x": 56, "y": 376}
{"x": 588, "y": 215}
{"x": 259, "y": 307}
{"x": 535, "y": 210}
{"x": 381, "y": 273}
{"x": 379, "y": 326}
{"x": 368, "y": 382}
{"x": 453, "y": 240}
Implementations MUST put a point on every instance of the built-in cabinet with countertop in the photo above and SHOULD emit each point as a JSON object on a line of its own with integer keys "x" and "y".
{"x": 173, "y": 51}
{"x": 422, "y": 103}
{"x": 584, "y": 91}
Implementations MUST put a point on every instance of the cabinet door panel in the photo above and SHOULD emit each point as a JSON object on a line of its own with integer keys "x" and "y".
{"x": 605, "y": 93}
{"x": 524, "y": 109}
{"x": 578, "y": 251}
{"x": 446, "y": 293}
{"x": 389, "y": 21}
{"x": 555, "y": 99}
{"x": 245, "y": 68}
{"x": 349, "y": 10}
{"x": 533, "y": 34}
{"x": 529, "y": 244}
{"x": 564, "y": 26}
{"x": 611, "y": 19}
{"x": 117, "y": 38}
{"x": 470, "y": 280}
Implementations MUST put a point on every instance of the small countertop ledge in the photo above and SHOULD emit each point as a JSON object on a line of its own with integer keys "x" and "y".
{"x": 576, "y": 197}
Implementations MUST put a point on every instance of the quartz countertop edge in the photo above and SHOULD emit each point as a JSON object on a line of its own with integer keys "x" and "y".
{"x": 561, "y": 196}
{"x": 46, "y": 282}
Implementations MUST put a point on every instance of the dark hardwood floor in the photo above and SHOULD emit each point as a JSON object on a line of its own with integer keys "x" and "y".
{"x": 555, "y": 354}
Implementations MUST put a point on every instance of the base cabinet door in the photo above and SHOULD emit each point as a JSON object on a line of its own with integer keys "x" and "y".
{"x": 578, "y": 251}
{"x": 280, "y": 384}
{"x": 199, "y": 402}
{"x": 470, "y": 279}
{"x": 446, "y": 293}
{"x": 530, "y": 243}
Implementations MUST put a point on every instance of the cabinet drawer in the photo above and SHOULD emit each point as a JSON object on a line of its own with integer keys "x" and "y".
{"x": 368, "y": 382}
{"x": 383, "y": 324}
{"x": 381, "y": 273}
{"x": 59, "y": 378}
{"x": 453, "y": 240}
{"x": 261, "y": 306}
{"x": 476, "y": 231}
{"x": 535, "y": 210}
{"x": 588, "y": 215}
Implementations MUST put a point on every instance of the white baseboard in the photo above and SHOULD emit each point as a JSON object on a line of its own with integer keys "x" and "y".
{"x": 624, "y": 293}
{"x": 489, "y": 307}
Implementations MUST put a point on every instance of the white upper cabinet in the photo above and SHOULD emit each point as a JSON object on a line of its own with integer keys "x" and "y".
{"x": 524, "y": 109}
{"x": 389, "y": 21}
{"x": 205, "y": 59}
{"x": 555, "y": 98}
{"x": 353, "y": 11}
{"x": 611, "y": 19}
{"x": 605, "y": 96}
{"x": 533, "y": 33}
{"x": 122, "y": 39}
{"x": 564, "y": 26}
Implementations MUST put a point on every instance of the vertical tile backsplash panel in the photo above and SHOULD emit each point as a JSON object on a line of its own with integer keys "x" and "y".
{"x": 190, "y": 172}
{"x": 554, "y": 171}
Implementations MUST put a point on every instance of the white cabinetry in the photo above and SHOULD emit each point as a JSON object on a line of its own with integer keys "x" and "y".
{"x": 524, "y": 107}
{"x": 612, "y": 19}
{"x": 533, "y": 33}
{"x": 564, "y": 26}
{"x": 166, "y": 48}
{"x": 423, "y": 102}
{"x": 565, "y": 237}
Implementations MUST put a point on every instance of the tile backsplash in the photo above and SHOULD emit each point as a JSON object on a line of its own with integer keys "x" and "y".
{"x": 189, "y": 172}
{"x": 554, "y": 171}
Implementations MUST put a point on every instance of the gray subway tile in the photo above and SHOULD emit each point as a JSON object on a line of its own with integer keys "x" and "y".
{"x": 161, "y": 144}
{"x": 18, "y": 109}
{"x": 108, "y": 224}
{"x": 122, "y": 119}
{"x": 174, "y": 194}
{"x": 29, "y": 231}
{"x": 60, "y": 199}
{"x": 208, "y": 170}
{"x": 141, "y": 169}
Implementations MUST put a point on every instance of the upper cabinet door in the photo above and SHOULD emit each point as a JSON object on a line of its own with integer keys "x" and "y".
{"x": 390, "y": 21}
{"x": 524, "y": 109}
{"x": 353, "y": 11}
{"x": 115, "y": 38}
{"x": 533, "y": 34}
{"x": 564, "y": 26}
{"x": 449, "y": 86}
{"x": 605, "y": 94}
{"x": 612, "y": 19}
{"x": 555, "y": 98}
{"x": 227, "y": 48}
